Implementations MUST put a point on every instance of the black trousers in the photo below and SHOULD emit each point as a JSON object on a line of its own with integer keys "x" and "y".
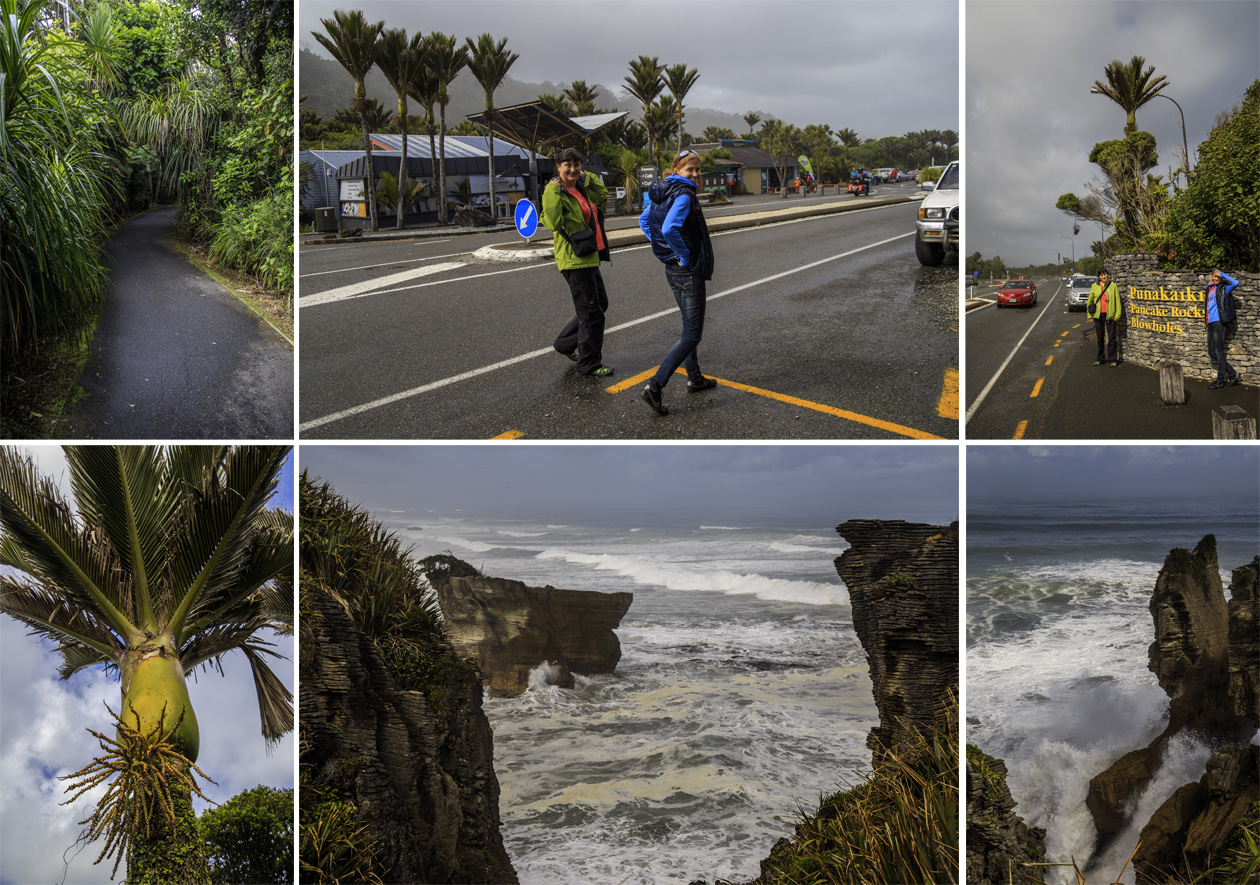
{"x": 1106, "y": 329}
{"x": 585, "y": 332}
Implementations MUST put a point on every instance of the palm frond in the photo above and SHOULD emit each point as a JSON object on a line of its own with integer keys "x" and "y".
{"x": 81, "y": 635}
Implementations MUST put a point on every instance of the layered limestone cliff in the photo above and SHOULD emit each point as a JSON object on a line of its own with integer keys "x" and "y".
{"x": 999, "y": 843}
{"x": 510, "y": 629}
{"x": 903, "y": 586}
{"x": 416, "y": 765}
{"x": 1205, "y": 657}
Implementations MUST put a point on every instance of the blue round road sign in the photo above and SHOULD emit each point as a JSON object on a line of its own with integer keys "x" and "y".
{"x": 526, "y": 218}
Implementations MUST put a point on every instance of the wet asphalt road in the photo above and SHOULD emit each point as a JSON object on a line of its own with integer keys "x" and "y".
{"x": 826, "y": 328}
{"x": 176, "y": 356}
{"x": 1050, "y": 388}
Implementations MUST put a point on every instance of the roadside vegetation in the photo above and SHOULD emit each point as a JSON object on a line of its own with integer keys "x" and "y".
{"x": 423, "y": 69}
{"x": 1205, "y": 214}
{"x": 110, "y": 108}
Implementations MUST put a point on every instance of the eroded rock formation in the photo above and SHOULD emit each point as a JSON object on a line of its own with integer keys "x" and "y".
{"x": 999, "y": 843}
{"x": 509, "y": 629}
{"x": 903, "y": 586}
{"x": 1205, "y": 657}
{"x": 417, "y": 765}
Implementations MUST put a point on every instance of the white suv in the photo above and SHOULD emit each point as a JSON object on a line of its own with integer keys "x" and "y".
{"x": 937, "y": 227}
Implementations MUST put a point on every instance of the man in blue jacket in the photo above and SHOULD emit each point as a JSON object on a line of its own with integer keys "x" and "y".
{"x": 1218, "y": 309}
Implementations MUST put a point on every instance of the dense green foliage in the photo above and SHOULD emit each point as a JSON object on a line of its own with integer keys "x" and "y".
{"x": 1215, "y": 221}
{"x": 249, "y": 838}
{"x": 121, "y": 105}
{"x": 899, "y": 825}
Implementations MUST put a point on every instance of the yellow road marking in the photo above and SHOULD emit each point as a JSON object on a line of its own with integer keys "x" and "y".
{"x": 1056, "y": 344}
{"x": 511, "y": 434}
{"x": 1065, "y": 334}
{"x": 796, "y": 401}
{"x": 1036, "y": 387}
{"x": 1049, "y": 359}
{"x": 637, "y": 379}
{"x": 1019, "y": 430}
{"x": 947, "y": 407}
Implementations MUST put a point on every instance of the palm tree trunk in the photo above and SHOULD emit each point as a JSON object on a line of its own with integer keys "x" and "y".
{"x": 370, "y": 196}
{"x": 442, "y": 169}
{"x": 494, "y": 214}
{"x": 170, "y": 854}
{"x": 402, "y": 173}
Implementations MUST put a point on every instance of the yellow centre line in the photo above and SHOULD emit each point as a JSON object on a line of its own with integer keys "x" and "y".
{"x": 1019, "y": 430}
{"x": 511, "y": 434}
{"x": 947, "y": 406}
{"x": 795, "y": 401}
{"x": 1036, "y": 388}
{"x": 1049, "y": 359}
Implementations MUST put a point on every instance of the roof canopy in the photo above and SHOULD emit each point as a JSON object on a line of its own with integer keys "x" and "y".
{"x": 535, "y": 125}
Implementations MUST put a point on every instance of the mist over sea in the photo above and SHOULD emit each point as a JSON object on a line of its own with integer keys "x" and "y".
{"x": 1058, "y": 626}
{"x": 741, "y": 696}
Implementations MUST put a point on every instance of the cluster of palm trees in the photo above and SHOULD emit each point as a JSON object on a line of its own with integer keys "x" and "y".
{"x": 662, "y": 114}
{"x": 420, "y": 68}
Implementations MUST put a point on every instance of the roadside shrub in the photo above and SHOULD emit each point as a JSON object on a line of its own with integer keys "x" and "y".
{"x": 258, "y": 240}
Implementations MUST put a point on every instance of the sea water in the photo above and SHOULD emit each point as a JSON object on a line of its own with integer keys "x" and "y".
{"x": 1058, "y": 627}
{"x": 742, "y": 694}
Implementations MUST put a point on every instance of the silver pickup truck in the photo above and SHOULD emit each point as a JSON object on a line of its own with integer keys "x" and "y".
{"x": 937, "y": 226}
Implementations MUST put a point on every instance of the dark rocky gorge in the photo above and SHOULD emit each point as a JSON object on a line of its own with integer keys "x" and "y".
{"x": 1206, "y": 657}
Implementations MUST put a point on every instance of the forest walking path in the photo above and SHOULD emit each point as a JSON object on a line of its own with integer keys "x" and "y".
{"x": 175, "y": 355}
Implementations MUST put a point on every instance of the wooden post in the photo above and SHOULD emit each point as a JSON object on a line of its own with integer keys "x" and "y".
{"x": 1172, "y": 383}
{"x": 1232, "y": 422}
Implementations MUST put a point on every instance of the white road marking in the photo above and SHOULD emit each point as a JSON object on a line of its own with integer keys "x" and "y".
{"x": 320, "y": 273}
{"x": 464, "y": 376}
{"x": 357, "y": 290}
{"x": 1002, "y": 368}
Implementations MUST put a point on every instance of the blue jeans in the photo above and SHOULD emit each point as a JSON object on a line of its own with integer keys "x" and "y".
{"x": 689, "y": 293}
{"x": 1216, "y": 351}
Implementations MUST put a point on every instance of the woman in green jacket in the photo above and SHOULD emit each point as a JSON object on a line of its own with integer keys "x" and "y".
{"x": 571, "y": 205}
{"x": 1104, "y": 309}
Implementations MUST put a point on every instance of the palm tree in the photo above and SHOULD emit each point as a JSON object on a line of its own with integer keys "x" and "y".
{"x": 353, "y": 43}
{"x": 661, "y": 120}
{"x": 170, "y": 562}
{"x": 645, "y": 83}
{"x": 445, "y": 62}
{"x": 489, "y": 64}
{"x": 425, "y": 90}
{"x": 581, "y": 97}
{"x": 1130, "y": 87}
{"x": 752, "y": 119}
{"x": 847, "y": 138}
{"x": 680, "y": 79}
{"x": 403, "y": 63}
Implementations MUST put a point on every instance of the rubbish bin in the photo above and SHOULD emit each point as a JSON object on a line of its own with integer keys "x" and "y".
{"x": 326, "y": 219}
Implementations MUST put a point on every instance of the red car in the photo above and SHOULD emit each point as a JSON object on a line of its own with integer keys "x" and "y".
{"x": 1016, "y": 292}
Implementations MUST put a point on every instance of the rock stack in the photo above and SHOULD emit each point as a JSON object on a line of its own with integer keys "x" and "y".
{"x": 1205, "y": 656}
{"x": 999, "y": 843}
{"x": 903, "y": 586}
{"x": 509, "y": 629}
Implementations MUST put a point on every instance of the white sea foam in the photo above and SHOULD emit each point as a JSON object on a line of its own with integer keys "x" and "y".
{"x": 782, "y": 547}
{"x": 511, "y": 534}
{"x": 681, "y": 577}
{"x": 720, "y": 528}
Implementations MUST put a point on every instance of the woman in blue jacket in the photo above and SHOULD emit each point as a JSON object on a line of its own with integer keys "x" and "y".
{"x": 674, "y": 224}
{"x": 1218, "y": 309}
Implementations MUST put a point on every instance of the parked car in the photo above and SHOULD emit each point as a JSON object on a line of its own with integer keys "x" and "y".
{"x": 1017, "y": 292}
{"x": 937, "y": 225}
{"x": 1078, "y": 292}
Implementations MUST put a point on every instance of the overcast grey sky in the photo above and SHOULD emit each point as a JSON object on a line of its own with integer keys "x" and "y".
{"x": 828, "y": 483}
{"x": 1031, "y": 120}
{"x": 1030, "y": 473}
{"x": 803, "y": 62}
{"x": 43, "y": 735}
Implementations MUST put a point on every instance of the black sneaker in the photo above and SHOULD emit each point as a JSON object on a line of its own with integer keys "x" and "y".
{"x": 1237, "y": 379}
{"x": 702, "y": 384}
{"x": 573, "y": 356}
{"x": 601, "y": 372}
{"x": 653, "y": 399}
{"x": 1216, "y": 385}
